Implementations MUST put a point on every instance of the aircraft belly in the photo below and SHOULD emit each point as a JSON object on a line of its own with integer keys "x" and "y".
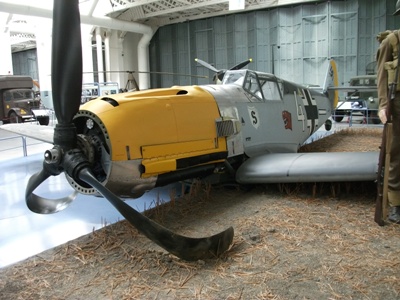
{"x": 124, "y": 179}
{"x": 309, "y": 167}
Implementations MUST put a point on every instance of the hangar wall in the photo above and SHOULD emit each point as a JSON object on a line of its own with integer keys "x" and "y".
{"x": 293, "y": 42}
{"x": 25, "y": 63}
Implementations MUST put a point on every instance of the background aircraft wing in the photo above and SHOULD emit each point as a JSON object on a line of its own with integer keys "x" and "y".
{"x": 38, "y": 132}
{"x": 309, "y": 167}
{"x": 353, "y": 88}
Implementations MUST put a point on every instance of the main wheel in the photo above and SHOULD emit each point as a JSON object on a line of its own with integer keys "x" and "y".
{"x": 43, "y": 120}
{"x": 14, "y": 118}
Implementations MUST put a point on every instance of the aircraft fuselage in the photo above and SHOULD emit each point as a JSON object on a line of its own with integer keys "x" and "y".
{"x": 150, "y": 138}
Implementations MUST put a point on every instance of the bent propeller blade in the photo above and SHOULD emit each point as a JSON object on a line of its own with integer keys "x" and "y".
{"x": 67, "y": 157}
{"x": 42, "y": 205}
{"x": 183, "y": 247}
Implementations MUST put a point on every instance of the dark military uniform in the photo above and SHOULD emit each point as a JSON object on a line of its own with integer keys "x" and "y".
{"x": 387, "y": 63}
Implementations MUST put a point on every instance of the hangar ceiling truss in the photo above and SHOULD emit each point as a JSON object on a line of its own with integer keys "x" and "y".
{"x": 155, "y": 13}
{"x": 163, "y": 12}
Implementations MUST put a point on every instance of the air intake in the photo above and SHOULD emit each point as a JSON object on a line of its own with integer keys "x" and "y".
{"x": 225, "y": 128}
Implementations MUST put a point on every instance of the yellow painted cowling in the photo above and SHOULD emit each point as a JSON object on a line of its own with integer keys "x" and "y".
{"x": 148, "y": 133}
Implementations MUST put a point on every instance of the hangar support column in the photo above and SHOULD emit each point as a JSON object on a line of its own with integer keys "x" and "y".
{"x": 99, "y": 48}
{"x": 145, "y": 30}
{"x": 116, "y": 58}
{"x": 43, "y": 32}
{"x": 87, "y": 53}
{"x": 107, "y": 57}
{"x": 6, "y": 66}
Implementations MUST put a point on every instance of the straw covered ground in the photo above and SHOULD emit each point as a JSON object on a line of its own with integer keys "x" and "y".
{"x": 291, "y": 242}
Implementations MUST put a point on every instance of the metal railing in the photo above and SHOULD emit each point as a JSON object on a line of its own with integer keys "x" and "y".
{"x": 52, "y": 123}
{"x": 370, "y": 116}
{"x": 24, "y": 146}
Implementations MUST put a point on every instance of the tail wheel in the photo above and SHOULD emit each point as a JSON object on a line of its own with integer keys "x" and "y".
{"x": 328, "y": 125}
{"x": 14, "y": 118}
{"x": 338, "y": 116}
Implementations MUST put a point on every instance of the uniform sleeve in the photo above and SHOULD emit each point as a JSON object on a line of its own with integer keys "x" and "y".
{"x": 384, "y": 55}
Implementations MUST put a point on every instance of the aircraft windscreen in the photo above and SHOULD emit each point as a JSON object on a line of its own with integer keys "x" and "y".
{"x": 270, "y": 90}
{"x": 234, "y": 77}
{"x": 260, "y": 87}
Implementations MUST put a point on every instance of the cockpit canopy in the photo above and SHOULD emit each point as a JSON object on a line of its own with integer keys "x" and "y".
{"x": 260, "y": 86}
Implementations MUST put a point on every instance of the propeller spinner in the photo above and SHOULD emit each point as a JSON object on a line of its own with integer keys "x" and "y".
{"x": 68, "y": 155}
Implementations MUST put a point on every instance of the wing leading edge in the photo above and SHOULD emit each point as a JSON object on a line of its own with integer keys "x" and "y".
{"x": 309, "y": 167}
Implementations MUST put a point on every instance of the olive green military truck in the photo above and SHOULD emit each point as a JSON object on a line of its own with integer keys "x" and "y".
{"x": 18, "y": 103}
{"x": 360, "y": 103}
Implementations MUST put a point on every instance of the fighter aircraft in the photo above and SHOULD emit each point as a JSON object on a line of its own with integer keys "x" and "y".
{"x": 249, "y": 127}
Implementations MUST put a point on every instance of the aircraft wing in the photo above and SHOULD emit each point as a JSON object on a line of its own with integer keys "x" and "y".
{"x": 309, "y": 167}
{"x": 353, "y": 88}
{"x": 38, "y": 132}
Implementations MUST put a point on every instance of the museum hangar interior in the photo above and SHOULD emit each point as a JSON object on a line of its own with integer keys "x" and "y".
{"x": 157, "y": 42}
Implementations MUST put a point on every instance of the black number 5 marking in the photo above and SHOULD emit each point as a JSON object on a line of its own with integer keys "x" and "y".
{"x": 254, "y": 116}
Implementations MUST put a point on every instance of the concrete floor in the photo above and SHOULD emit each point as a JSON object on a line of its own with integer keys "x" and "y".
{"x": 24, "y": 233}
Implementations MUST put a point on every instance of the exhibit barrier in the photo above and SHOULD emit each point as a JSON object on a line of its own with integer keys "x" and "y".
{"x": 369, "y": 116}
{"x": 24, "y": 146}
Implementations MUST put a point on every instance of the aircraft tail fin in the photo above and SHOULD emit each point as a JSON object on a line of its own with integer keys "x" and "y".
{"x": 331, "y": 81}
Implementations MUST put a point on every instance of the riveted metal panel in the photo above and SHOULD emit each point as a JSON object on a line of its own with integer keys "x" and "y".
{"x": 290, "y": 52}
{"x": 241, "y": 38}
{"x": 315, "y": 32}
{"x": 204, "y": 47}
{"x": 315, "y": 22}
{"x": 299, "y": 39}
{"x": 263, "y": 38}
{"x": 392, "y": 22}
{"x": 371, "y": 21}
{"x": 251, "y": 38}
{"x": 166, "y": 39}
{"x": 221, "y": 42}
{"x": 181, "y": 54}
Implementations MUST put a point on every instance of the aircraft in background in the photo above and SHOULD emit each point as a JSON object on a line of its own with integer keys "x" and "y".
{"x": 249, "y": 127}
